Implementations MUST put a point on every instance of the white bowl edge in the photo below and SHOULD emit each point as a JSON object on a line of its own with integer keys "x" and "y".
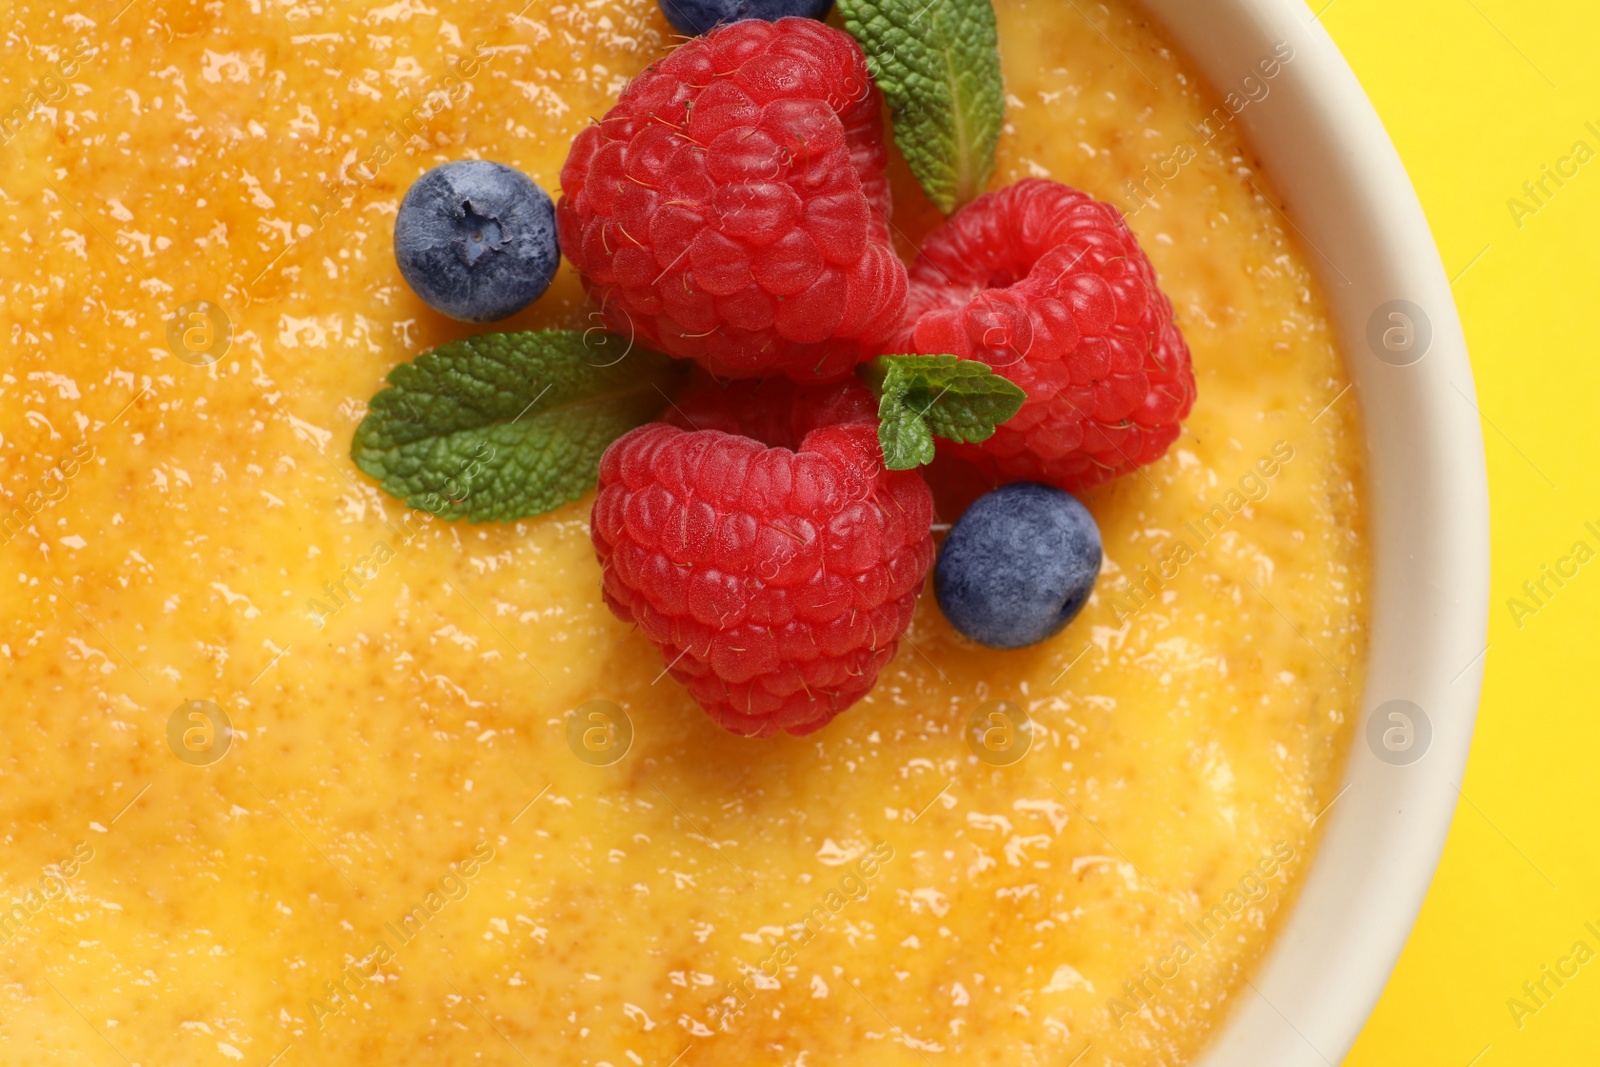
{"x": 1359, "y": 222}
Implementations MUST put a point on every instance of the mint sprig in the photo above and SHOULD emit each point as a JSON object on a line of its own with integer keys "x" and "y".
{"x": 938, "y": 63}
{"x": 920, "y": 397}
{"x": 502, "y": 426}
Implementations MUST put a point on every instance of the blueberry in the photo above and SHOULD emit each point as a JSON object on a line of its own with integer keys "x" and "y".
{"x": 1018, "y": 565}
{"x": 694, "y": 17}
{"x": 476, "y": 240}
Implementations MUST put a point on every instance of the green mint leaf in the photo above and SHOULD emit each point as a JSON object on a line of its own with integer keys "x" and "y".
{"x": 938, "y": 63}
{"x": 922, "y": 396}
{"x": 502, "y": 426}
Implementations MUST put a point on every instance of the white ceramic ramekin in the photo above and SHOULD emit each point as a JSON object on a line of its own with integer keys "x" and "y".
{"x": 1360, "y": 225}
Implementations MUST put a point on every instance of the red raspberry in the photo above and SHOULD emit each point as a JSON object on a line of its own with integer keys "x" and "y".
{"x": 1051, "y": 288}
{"x": 733, "y": 207}
{"x": 775, "y": 579}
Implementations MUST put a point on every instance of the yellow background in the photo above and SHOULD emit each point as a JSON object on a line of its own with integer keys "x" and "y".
{"x": 1480, "y": 95}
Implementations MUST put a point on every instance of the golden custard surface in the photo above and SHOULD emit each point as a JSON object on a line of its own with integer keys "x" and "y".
{"x": 399, "y": 860}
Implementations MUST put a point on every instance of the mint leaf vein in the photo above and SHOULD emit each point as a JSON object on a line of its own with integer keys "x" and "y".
{"x": 920, "y": 397}
{"x": 504, "y": 426}
{"x": 938, "y": 63}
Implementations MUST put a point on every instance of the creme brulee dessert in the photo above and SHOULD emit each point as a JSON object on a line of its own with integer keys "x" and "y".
{"x": 299, "y": 775}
